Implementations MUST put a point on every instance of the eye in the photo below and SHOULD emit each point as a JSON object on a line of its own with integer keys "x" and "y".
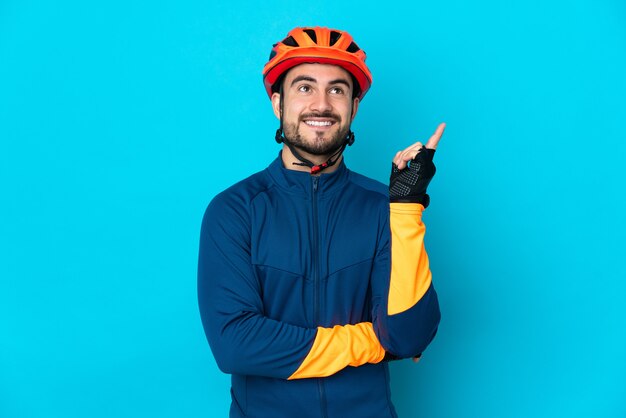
{"x": 304, "y": 88}
{"x": 337, "y": 90}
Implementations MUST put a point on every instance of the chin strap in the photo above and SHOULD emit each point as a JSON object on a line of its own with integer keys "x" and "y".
{"x": 315, "y": 168}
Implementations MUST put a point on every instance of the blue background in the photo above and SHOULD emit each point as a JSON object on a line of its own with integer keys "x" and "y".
{"x": 119, "y": 121}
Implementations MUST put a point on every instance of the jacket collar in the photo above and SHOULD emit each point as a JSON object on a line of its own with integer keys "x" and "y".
{"x": 302, "y": 183}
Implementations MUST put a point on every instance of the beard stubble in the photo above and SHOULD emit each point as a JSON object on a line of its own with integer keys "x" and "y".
{"x": 319, "y": 146}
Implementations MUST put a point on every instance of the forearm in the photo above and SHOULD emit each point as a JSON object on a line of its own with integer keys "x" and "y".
{"x": 410, "y": 273}
{"x": 338, "y": 347}
{"x": 407, "y": 313}
{"x": 251, "y": 344}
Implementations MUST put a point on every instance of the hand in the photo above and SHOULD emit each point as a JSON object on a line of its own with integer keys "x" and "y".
{"x": 412, "y": 170}
{"x": 403, "y": 157}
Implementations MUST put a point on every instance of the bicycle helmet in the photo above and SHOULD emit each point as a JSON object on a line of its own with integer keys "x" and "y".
{"x": 317, "y": 45}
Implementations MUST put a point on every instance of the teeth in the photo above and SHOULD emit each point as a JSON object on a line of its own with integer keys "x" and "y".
{"x": 318, "y": 123}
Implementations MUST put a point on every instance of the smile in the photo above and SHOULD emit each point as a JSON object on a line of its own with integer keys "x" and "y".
{"x": 319, "y": 122}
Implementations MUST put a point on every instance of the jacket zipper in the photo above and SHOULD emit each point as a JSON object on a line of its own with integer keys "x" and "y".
{"x": 316, "y": 281}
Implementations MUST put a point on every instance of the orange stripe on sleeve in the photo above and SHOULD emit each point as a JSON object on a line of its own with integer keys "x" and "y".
{"x": 338, "y": 347}
{"x": 410, "y": 273}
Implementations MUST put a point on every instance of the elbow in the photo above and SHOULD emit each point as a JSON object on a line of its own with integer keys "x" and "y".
{"x": 423, "y": 337}
{"x": 228, "y": 355}
{"x": 220, "y": 338}
{"x": 226, "y": 361}
{"x": 413, "y": 330}
{"x": 227, "y": 349}
{"x": 232, "y": 345}
{"x": 416, "y": 342}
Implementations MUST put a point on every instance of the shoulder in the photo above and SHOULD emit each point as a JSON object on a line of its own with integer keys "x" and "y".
{"x": 369, "y": 185}
{"x": 237, "y": 198}
{"x": 371, "y": 196}
{"x": 373, "y": 203}
{"x": 246, "y": 189}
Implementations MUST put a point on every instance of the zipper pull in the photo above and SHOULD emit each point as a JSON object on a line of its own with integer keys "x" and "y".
{"x": 315, "y": 181}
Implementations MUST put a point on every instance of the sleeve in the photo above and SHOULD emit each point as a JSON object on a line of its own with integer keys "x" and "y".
{"x": 242, "y": 339}
{"x": 406, "y": 311}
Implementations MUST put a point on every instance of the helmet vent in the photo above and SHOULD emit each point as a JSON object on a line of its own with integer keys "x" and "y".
{"x": 311, "y": 34}
{"x": 353, "y": 48}
{"x": 289, "y": 41}
{"x": 334, "y": 37}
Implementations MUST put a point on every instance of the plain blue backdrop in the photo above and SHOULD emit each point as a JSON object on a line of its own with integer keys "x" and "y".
{"x": 119, "y": 121}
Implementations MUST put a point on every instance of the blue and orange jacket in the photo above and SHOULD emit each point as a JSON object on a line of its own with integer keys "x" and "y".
{"x": 300, "y": 299}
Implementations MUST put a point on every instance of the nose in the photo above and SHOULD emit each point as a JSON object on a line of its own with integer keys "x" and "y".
{"x": 320, "y": 102}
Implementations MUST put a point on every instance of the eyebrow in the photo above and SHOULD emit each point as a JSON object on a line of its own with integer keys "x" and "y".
{"x": 303, "y": 78}
{"x": 312, "y": 80}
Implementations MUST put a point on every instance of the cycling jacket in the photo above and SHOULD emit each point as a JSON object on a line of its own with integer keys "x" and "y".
{"x": 299, "y": 298}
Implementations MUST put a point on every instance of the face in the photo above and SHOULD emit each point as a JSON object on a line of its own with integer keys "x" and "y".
{"x": 317, "y": 107}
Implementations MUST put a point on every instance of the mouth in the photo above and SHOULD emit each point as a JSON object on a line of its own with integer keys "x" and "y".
{"x": 319, "y": 123}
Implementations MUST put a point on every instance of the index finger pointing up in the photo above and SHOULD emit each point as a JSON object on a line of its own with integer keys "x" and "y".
{"x": 434, "y": 140}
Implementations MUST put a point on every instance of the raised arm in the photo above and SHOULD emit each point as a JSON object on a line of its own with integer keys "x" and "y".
{"x": 406, "y": 308}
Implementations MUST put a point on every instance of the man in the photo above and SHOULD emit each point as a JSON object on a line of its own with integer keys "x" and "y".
{"x": 309, "y": 279}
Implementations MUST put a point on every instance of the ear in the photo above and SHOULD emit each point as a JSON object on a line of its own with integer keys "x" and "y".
{"x": 355, "y": 107}
{"x": 276, "y": 104}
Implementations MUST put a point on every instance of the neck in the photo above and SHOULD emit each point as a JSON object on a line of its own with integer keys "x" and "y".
{"x": 289, "y": 159}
